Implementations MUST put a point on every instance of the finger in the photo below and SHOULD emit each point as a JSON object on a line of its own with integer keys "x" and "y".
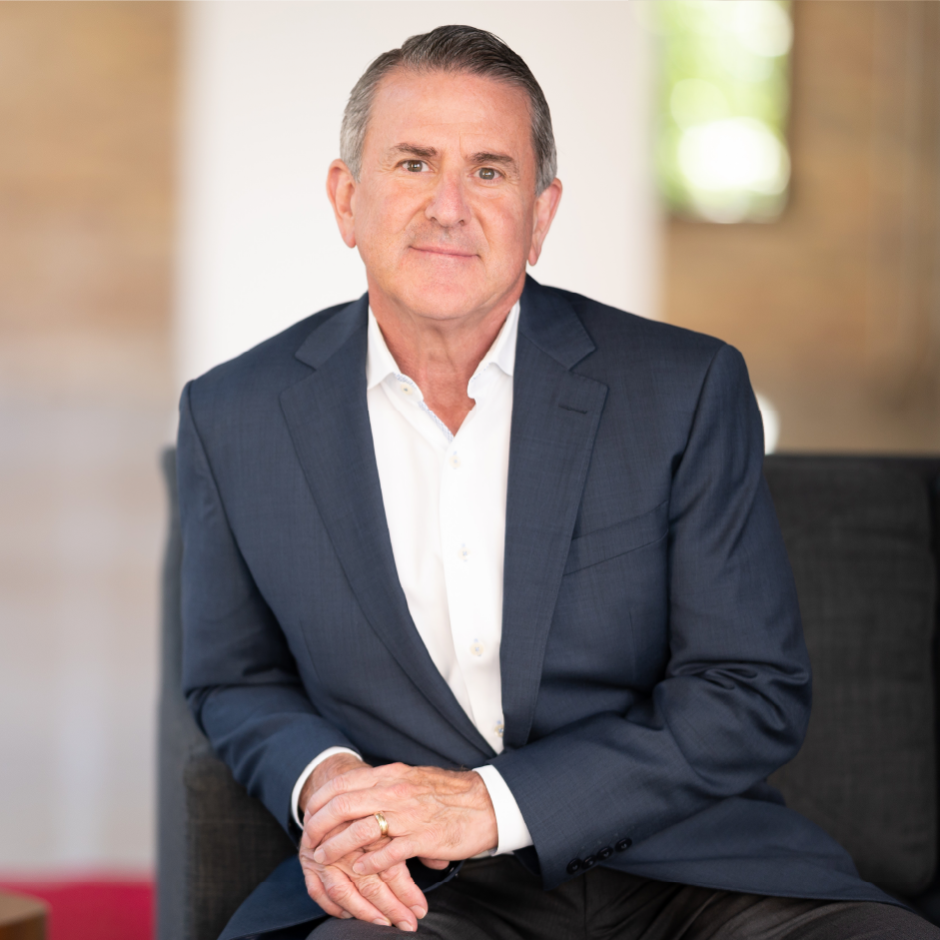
{"x": 399, "y": 880}
{"x": 394, "y": 853}
{"x": 316, "y": 891}
{"x": 363, "y": 778}
{"x": 436, "y": 863}
{"x": 378, "y": 893}
{"x": 357, "y": 835}
{"x": 305, "y": 842}
{"x": 346, "y": 807}
{"x": 369, "y": 899}
{"x": 343, "y": 893}
{"x": 307, "y": 848}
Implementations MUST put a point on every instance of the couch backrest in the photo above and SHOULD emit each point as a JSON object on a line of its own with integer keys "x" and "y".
{"x": 860, "y": 533}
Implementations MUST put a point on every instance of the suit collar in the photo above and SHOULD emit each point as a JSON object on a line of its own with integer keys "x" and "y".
{"x": 550, "y": 322}
{"x": 556, "y": 413}
{"x": 331, "y": 336}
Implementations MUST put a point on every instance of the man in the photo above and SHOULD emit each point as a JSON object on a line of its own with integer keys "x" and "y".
{"x": 483, "y": 590}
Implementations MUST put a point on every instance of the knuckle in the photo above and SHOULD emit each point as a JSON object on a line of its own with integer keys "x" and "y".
{"x": 370, "y": 889}
{"x": 337, "y": 892}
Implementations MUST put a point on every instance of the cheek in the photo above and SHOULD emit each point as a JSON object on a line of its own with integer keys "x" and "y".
{"x": 508, "y": 235}
{"x": 378, "y": 232}
{"x": 382, "y": 210}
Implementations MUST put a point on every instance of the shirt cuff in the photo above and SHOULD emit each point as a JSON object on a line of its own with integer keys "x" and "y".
{"x": 309, "y": 769}
{"x": 512, "y": 832}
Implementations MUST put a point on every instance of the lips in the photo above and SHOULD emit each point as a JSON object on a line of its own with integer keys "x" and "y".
{"x": 446, "y": 252}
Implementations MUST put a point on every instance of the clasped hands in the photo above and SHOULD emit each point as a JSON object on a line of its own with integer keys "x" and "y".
{"x": 351, "y": 870}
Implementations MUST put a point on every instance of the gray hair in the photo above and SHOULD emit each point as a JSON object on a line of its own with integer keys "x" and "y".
{"x": 451, "y": 49}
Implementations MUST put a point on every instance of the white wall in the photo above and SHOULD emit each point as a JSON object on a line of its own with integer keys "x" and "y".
{"x": 264, "y": 88}
{"x": 83, "y": 521}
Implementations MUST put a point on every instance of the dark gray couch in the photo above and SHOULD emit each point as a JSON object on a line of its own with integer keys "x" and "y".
{"x": 862, "y": 538}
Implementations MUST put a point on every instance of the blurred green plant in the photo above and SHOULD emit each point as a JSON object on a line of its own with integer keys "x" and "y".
{"x": 723, "y": 105}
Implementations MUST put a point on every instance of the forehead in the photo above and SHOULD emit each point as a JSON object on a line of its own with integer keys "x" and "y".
{"x": 449, "y": 106}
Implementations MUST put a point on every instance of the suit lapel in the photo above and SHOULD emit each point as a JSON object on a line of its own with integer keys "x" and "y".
{"x": 328, "y": 418}
{"x": 554, "y": 421}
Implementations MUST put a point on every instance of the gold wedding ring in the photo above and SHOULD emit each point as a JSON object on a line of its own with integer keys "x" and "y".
{"x": 383, "y": 823}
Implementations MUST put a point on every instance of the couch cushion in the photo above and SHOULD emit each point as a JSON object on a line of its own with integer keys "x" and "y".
{"x": 859, "y": 538}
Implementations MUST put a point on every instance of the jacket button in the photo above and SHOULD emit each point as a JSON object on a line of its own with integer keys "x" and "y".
{"x": 623, "y": 845}
{"x": 574, "y": 865}
{"x": 605, "y": 853}
{"x": 590, "y": 861}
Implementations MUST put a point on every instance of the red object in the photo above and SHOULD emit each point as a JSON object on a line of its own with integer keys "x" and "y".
{"x": 93, "y": 909}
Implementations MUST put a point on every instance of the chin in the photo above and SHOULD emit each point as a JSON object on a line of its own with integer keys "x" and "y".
{"x": 443, "y": 300}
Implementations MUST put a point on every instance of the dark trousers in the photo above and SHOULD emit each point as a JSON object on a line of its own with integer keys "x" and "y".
{"x": 498, "y": 899}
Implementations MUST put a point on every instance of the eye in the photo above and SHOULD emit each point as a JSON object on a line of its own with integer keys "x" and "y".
{"x": 488, "y": 173}
{"x": 414, "y": 166}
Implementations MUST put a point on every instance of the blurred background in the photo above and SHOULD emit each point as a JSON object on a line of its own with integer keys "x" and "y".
{"x": 763, "y": 171}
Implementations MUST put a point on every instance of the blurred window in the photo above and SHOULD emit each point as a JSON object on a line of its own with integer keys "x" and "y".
{"x": 724, "y": 97}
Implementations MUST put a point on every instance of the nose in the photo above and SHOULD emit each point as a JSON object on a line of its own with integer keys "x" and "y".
{"x": 448, "y": 206}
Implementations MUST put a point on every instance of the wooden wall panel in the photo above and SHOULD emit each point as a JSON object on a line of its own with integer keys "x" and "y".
{"x": 87, "y": 107}
{"x": 835, "y": 306}
{"x": 87, "y": 112}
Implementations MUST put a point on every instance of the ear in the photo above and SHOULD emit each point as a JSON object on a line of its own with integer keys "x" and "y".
{"x": 546, "y": 205}
{"x": 341, "y": 190}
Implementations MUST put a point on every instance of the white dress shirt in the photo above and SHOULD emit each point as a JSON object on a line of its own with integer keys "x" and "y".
{"x": 445, "y": 503}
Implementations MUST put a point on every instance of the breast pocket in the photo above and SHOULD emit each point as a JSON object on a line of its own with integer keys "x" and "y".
{"x": 601, "y": 545}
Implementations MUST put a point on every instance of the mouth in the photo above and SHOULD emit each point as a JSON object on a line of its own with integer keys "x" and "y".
{"x": 443, "y": 252}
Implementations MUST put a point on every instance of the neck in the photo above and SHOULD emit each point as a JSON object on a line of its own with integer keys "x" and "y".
{"x": 441, "y": 355}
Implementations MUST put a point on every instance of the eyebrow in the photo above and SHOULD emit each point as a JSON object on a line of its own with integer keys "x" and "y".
{"x": 427, "y": 153}
{"x": 486, "y": 157}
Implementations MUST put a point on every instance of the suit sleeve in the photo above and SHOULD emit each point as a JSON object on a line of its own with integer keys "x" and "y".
{"x": 733, "y": 704}
{"x": 239, "y": 676}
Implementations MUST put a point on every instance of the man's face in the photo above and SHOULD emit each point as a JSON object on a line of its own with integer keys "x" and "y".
{"x": 445, "y": 213}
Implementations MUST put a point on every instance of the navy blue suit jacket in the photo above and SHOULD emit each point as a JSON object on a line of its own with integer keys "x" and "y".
{"x": 654, "y": 671}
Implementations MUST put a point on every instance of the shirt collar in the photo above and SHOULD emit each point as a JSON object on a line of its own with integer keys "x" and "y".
{"x": 380, "y": 363}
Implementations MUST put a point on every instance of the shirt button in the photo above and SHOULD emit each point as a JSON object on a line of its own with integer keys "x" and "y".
{"x": 405, "y": 388}
{"x": 499, "y": 728}
{"x": 455, "y": 461}
{"x": 476, "y": 647}
{"x": 463, "y": 553}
